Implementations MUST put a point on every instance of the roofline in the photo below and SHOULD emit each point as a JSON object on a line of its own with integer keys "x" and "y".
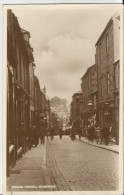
{"x": 87, "y": 71}
{"x": 108, "y": 24}
{"x": 26, "y": 32}
{"x": 77, "y": 93}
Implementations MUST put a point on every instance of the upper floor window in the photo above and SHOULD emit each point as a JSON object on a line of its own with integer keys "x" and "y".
{"x": 101, "y": 87}
{"x": 107, "y": 44}
{"x": 117, "y": 76}
{"x": 100, "y": 52}
{"x": 108, "y": 83}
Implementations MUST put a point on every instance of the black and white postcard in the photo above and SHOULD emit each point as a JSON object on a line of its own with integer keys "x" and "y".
{"x": 63, "y": 99}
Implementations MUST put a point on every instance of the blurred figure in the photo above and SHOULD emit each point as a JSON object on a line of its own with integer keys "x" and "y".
{"x": 92, "y": 131}
{"x": 101, "y": 135}
{"x": 34, "y": 136}
{"x": 105, "y": 134}
{"x": 73, "y": 133}
{"x": 89, "y": 133}
{"x": 60, "y": 132}
{"x": 43, "y": 127}
{"x": 52, "y": 133}
{"x": 42, "y": 135}
{"x": 80, "y": 132}
{"x": 47, "y": 134}
{"x": 97, "y": 135}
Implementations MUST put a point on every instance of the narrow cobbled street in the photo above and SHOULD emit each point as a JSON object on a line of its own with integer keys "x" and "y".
{"x": 66, "y": 165}
{"x": 82, "y": 166}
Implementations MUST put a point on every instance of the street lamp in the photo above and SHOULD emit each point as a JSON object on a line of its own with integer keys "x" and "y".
{"x": 106, "y": 109}
{"x": 90, "y": 110}
{"x": 90, "y": 103}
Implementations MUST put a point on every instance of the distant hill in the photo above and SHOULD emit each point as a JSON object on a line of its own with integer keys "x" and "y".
{"x": 58, "y": 105}
{"x": 57, "y": 102}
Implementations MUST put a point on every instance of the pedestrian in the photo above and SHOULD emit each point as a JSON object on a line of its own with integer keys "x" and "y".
{"x": 73, "y": 132}
{"x": 101, "y": 135}
{"x": 47, "y": 134}
{"x": 106, "y": 134}
{"x": 97, "y": 135}
{"x": 52, "y": 133}
{"x": 42, "y": 135}
{"x": 79, "y": 132}
{"x": 34, "y": 136}
{"x": 60, "y": 132}
{"x": 92, "y": 132}
{"x": 43, "y": 131}
{"x": 89, "y": 133}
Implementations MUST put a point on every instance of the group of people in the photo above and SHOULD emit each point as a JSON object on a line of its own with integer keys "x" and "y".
{"x": 101, "y": 135}
{"x": 41, "y": 130}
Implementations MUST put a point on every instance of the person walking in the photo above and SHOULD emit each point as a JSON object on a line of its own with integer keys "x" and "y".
{"x": 52, "y": 133}
{"x": 89, "y": 133}
{"x": 73, "y": 132}
{"x": 92, "y": 132}
{"x": 42, "y": 135}
{"x": 43, "y": 131}
{"x": 34, "y": 136}
{"x": 106, "y": 134}
{"x": 79, "y": 132}
{"x": 101, "y": 135}
{"x": 60, "y": 132}
{"x": 97, "y": 135}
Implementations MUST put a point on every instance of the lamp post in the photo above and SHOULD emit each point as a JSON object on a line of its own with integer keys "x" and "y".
{"x": 106, "y": 113}
{"x": 90, "y": 105}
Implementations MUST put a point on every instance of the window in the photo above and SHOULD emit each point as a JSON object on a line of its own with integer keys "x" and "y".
{"x": 77, "y": 99}
{"x": 108, "y": 83}
{"x": 100, "y": 52}
{"x": 107, "y": 44}
{"x": 101, "y": 86}
{"x": 78, "y": 111}
{"x": 94, "y": 102}
{"x": 117, "y": 76}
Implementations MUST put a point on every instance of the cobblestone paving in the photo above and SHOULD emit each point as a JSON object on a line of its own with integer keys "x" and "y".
{"x": 76, "y": 166}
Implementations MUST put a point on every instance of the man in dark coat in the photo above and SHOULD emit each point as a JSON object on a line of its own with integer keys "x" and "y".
{"x": 43, "y": 131}
{"x": 60, "y": 132}
{"x": 106, "y": 134}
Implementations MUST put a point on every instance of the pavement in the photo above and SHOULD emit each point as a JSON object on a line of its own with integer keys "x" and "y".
{"x": 37, "y": 170}
{"x": 30, "y": 172}
{"x": 111, "y": 146}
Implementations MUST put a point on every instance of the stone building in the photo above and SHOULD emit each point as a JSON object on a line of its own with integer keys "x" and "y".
{"x": 32, "y": 66}
{"x": 18, "y": 96}
{"x": 107, "y": 61}
{"x": 37, "y": 101}
{"x": 75, "y": 109}
{"x": 89, "y": 96}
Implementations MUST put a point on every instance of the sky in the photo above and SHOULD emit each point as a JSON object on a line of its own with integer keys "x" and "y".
{"x": 63, "y": 38}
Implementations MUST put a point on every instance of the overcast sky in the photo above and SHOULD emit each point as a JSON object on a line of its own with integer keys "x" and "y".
{"x": 63, "y": 38}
